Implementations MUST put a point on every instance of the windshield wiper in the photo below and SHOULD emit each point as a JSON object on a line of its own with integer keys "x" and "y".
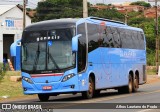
{"x": 51, "y": 57}
{"x": 36, "y": 59}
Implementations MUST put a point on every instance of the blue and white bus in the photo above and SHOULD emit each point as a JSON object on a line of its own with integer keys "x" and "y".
{"x": 82, "y": 56}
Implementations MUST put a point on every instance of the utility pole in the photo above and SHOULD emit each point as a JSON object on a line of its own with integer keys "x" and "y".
{"x": 156, "y": 34}
{"x": 85, "y": 9}
{"x": 126, "y": 16}
{"x": 24, "y": 14}
{"x": 157, "y": 39}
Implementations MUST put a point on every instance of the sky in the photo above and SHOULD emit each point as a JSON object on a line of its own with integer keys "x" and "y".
{"x": 33, "y": 3}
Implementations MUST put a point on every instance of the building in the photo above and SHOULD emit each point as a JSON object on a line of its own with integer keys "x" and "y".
{"x": 151, "y": 13}
{"x": 121, "y": 8}
{"x": 130, "y": 8}
{"x": 11, "y": 27}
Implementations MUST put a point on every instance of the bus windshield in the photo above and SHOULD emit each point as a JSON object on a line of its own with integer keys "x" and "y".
{"x": 47, "y": 51}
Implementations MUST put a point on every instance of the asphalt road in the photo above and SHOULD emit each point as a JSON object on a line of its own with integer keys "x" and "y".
{"x": 148, "y": 93}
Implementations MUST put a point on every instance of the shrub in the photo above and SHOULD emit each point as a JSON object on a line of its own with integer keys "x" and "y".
{"x": 2, "y": 71}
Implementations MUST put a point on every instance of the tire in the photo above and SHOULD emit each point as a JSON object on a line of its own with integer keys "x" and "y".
{"x": 43, "y": 97}
{"x": 135, "y": 84}
{"x": 90, "y": 93}
{"x": 128, "y": 88}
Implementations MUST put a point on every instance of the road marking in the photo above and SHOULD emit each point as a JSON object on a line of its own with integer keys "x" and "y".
{"x": 106, "y": 99}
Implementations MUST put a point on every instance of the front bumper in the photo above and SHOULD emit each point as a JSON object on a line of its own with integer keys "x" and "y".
{"x": 69, "y": 86}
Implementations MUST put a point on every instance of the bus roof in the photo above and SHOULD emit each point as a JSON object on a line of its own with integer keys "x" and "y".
{"x": 45, "y": 25}
{"x": 70, "y": 22}
{"x": 113, "y": 23}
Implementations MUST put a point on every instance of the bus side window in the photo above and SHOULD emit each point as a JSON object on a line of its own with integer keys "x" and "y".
{"x": 93, "y": 36}
{"x": 123, "y": 38}
{"x": 105, "y": 37}
{"x": 130, "y": 41}
{"x": 82, "y": 45}
{"x": 141, "y": 40}
{"x": 110, "y": 37}
{"x": 117, "y": 40}
{"x": 135, "y": 40}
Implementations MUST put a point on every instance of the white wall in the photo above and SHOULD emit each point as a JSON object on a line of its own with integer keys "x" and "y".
{"x": 1, "y": 46}
{"x": 6, "y": 26}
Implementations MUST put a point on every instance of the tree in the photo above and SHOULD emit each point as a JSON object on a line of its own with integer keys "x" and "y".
{"x": 55, "y": 9}
{"x": 108, "y": 14}
{"x": 141, "y": 3}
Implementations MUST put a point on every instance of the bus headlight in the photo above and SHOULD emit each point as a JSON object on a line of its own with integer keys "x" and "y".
{"x": 67, "y": 77}
{"x": 27, "y": 79}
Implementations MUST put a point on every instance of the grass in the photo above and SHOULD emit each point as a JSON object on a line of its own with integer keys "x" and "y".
{"x": 13, "y": 73}
{"x": 151, "y": 71}
{"x": 10, "y": 88}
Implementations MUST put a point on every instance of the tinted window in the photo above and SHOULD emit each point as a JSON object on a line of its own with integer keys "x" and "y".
{"x": 94, "y": 36}
{"x": 129, "y": 39}
{"x": 141, "y": 40}
{"x": 132, "y": 39}
{"x": 135, "y": 39}
{"x": 110, "y": 37}
{"x": 113, "y": 37}
{"x": 116, "y": 38}
{"x": 81, "y": 48}
{"x": 123, "y": 39}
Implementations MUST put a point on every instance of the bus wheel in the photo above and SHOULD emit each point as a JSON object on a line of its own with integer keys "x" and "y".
{"x": 43, "y": 97}
{"x": 130, "y": 85}
{"x": 89, "y": 94}
{"x": 135, "y": 84}
{"x": 128, "y": 88}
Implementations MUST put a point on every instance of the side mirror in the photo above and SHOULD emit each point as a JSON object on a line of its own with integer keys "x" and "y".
{"x": 75, "y": 43}
{"x": 15, "y": 49}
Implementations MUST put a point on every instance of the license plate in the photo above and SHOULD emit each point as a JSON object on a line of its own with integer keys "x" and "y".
{"x": 47, "y": 87}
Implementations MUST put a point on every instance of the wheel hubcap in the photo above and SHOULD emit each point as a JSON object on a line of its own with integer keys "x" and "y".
{"x": 130, "y": 85}
{"x": 90, "y": 88}
{"x": 136, "y": 83}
